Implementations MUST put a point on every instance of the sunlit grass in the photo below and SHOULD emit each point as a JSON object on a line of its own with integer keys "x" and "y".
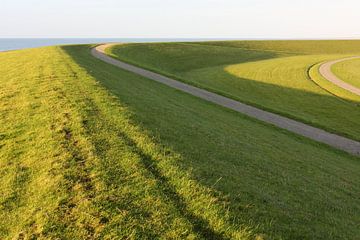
{"x": 295, "y": 46}
{"x": 348, "y": 71}
{"x": 340, "y": 93}
{"x": 89, "y": 151}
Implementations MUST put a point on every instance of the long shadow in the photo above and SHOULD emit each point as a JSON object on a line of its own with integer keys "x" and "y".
{"x": 200, "y": 225}
{"x": 189, "y": 142}
{"x": 302, "y": 105}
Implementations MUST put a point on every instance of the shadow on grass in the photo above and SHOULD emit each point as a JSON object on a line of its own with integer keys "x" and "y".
{"x": 196, "y": 58}
{"x": 320, "y": 110}
{"x": 273, "y": 170}
{"x": 325, "y": 111}
{"x": 200, "y": 225}
{"x": 149, "y": 163}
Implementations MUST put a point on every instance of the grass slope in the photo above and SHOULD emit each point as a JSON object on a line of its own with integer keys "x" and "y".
{"x": 267, "y": 74}
{"x": 89, "y": 151}
{"x": 348, "y": 71}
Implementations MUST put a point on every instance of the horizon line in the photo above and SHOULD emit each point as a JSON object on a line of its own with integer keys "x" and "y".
{"x": 190, "y": 38}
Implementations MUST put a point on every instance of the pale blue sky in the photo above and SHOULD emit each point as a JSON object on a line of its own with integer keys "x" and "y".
{"x": 181, "y": 18}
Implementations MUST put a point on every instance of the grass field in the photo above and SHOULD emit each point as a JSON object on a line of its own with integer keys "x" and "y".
{"x": 89, "y": 151}
{"x": 348, "y": 71}
{"x": 273, "y": 75}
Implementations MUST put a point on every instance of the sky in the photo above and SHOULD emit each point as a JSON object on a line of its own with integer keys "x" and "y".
{"x": 245, "y": 19}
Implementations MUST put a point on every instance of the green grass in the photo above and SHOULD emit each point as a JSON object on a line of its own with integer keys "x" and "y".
{"x": 89, "y": 151}
{"x": 331, "y": 88}
{"x": 348, "y": 71}
{"x": 272, "y": 75}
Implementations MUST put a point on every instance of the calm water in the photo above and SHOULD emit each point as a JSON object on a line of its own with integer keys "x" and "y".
{"x": 21, "y": 43}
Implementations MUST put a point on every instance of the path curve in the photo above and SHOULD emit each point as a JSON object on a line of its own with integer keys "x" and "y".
{"x": 325, "y": 71}
{"x": 319, "y": 135}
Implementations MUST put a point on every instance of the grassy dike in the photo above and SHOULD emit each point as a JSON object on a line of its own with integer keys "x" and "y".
{"x": 272, "y": 75}
{"x": 88, "y": 151}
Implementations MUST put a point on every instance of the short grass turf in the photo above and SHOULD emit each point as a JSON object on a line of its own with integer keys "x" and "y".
{"x": 348, "y": 71}
{"x": 89, "y": 151}
{"x": 273, "y": 75}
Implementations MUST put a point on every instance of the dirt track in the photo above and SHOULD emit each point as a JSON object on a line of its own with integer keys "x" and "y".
{"x": 325, "y": 71}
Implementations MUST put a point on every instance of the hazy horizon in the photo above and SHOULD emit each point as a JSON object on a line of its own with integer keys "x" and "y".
{"x": 186, "y": 38}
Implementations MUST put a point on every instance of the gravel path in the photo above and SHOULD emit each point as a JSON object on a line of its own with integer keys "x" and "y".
{"x": 325, "y": 71}
{"x": 336, "y": 141}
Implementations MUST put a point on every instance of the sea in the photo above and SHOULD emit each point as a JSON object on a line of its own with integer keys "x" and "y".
{"x": 7, "y": 44}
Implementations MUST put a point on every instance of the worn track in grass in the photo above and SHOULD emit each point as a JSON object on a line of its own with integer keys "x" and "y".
{"x": 325, "y": 71}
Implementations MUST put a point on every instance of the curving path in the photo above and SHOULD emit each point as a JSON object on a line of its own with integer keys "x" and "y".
{"x": 325, "y": 71}
{"x": 319, "y": 135}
